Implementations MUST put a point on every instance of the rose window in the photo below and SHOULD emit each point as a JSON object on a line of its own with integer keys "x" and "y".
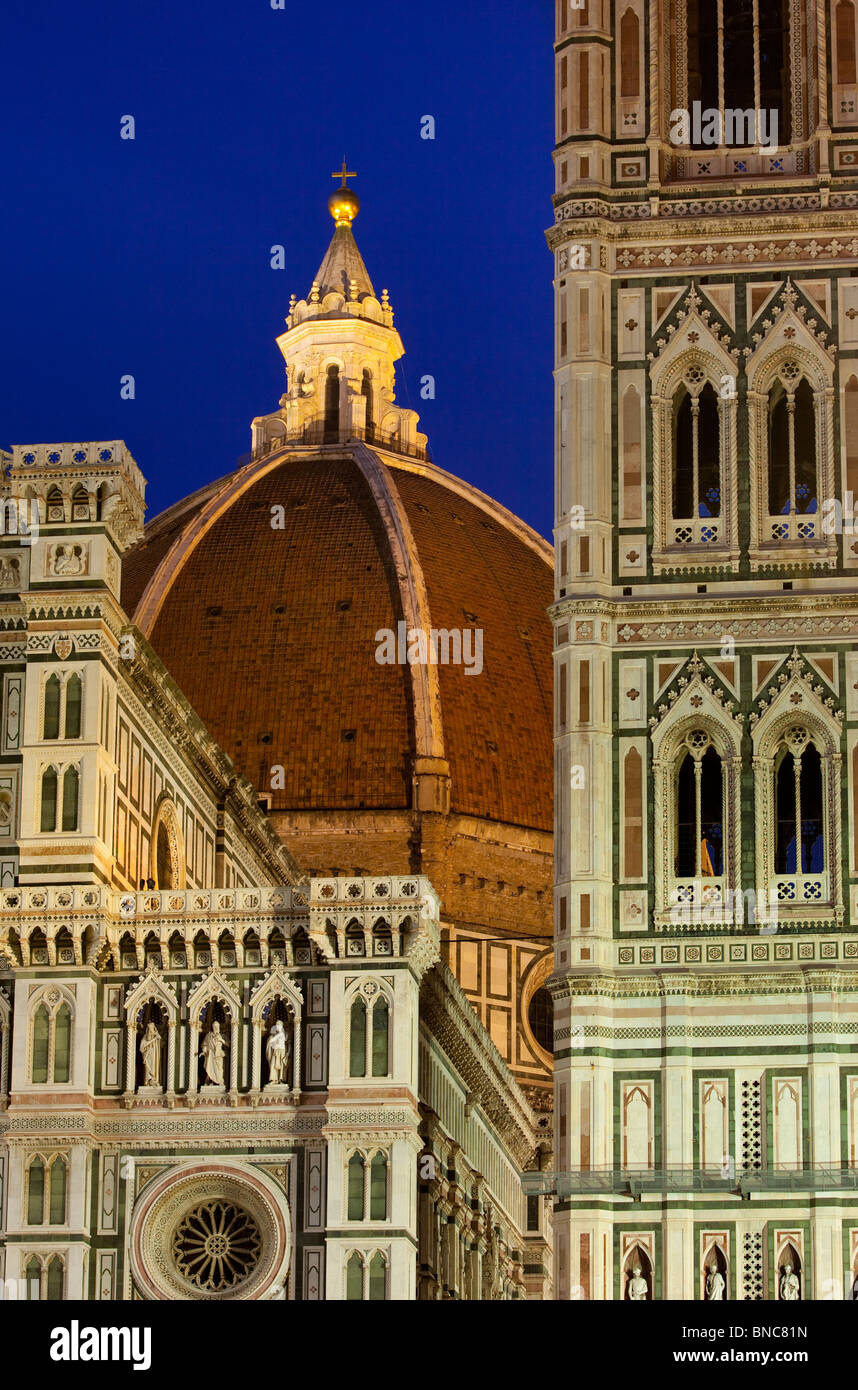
{"x": 216, "y": 1246}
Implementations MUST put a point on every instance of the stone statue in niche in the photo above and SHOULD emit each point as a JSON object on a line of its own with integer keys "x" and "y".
{"x": 10, "y": 574}
{"x": 790, "y": 1286}
{"x": 278, "y": 1052}
{"x": 638, "y": 1290}
{"x": 714, "y": 1284}
{"x": 150, "y": 1055}
{"x": 212, "y": 1053}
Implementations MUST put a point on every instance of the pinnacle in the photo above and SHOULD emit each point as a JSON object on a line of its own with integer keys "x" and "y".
{"x": 343, "y": 264}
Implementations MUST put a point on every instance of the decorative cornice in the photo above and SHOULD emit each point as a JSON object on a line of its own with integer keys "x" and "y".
{"x": 751, "y": 215}
{"x": 179, "y": 1127}
{"x": 659, "y": 983}
{"x": 826, "y": 616}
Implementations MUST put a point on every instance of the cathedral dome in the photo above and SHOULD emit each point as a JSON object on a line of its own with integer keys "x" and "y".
{"x": 299, "y": 603}
{"x": 269, "y": 594}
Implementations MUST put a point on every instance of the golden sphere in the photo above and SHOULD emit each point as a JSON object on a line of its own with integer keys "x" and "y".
{"x": 344, "y": 206}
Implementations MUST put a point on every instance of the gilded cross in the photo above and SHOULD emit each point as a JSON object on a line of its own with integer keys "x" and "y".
{"x": 344, "y": 173}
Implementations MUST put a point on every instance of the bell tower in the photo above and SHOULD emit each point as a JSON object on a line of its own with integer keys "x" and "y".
{"x": 705, "y": 249}
{"x": 340, "y": 348}
{"x": 79, "y": 507}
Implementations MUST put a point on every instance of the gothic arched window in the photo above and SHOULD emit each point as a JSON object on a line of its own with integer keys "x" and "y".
{"x": 703, "y": 52}
{"x": 773, "y": 32}
{"x": 57, "y": 1193}
{"x": 56, "y": 505}
{"x": 70, "y": 798}
{"x": 797, "y": 781}
{"x": 48, "y": 820}
{"x": 80, "y": 504}
{"x": 74, "y": 695}
{"x": 62, "y": 1043}
{"x": 163, "y": 858}
{"x": 51, "y": 1042}
{"x": 369, "y": 1041}
{"x": 793, "y": 489}
{"x": 380, "y": 1040}
{"x": 354, "y": 1277}
{"x": 332, "y": 405}
{"x": 36, "y": 1193}
{"x": 33, "y": 1277}
{"x": 55, "y": 1280}
{"x": 699, "y": 838}
{"x": 46, "y": 1192}
{"x": 167, "y": 858}
{"x": 41, "y": 1043}
{"x": 52, "y": 707}
{"x": 355, "y": 1209}
{"x": 696, "y": 460}
{"x": 377, "y": 1278}
{"x": 378, "y": 1188}
{"x": 799, "y": 829}
{"x": 724, "y": 41}
{"x": 357, "y": 1039}
{"x": 366, "y": 392}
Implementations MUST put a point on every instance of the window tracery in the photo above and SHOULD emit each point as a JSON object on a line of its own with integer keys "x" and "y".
{"x": 366, "y": 1276}
{"x": 369, "y": 1033}
{"x": 791, "y": 440}
{"x": 62, "y": 705}
{"x": 51, "y": 1012}
{"x": 737, "y": 58}
{"x": 797, "y": 762}
{"x": 45, "y": 1277}
{"x": 47, "y": 1183}
{"x": 216, "y": 1246}
{"x": 59, "y": 797}
{"x": 697, "y": 779}
{"x": 367, "y": 1185}
{"x": 694, "y": 467}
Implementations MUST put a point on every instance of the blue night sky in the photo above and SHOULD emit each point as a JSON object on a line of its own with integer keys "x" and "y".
{"x": 151, "y": 256}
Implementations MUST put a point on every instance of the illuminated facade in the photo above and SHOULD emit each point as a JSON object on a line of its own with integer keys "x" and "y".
{"x": 706, "y": 718}
{"x": 234, "y": 1062}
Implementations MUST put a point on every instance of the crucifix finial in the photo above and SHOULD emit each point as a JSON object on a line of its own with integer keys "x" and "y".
{"x": 344, "y": 203}
{"x": 344, "y": 173}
